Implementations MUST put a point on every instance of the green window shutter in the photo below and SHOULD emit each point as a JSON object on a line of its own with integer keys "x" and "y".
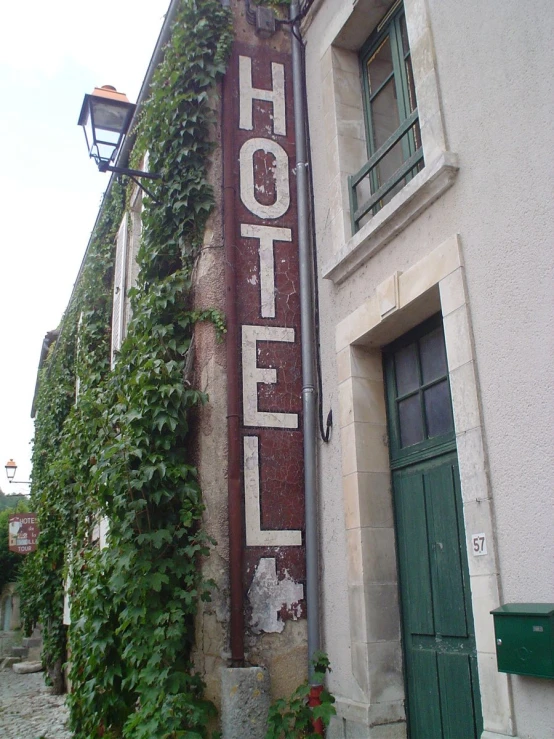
{"x": 394, "y": 147}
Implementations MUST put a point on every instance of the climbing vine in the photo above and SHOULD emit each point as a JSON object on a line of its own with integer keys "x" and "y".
{"x": 295, "y": 717}
{"x": 121, "y": 452}
{"x": 54, "y": 494}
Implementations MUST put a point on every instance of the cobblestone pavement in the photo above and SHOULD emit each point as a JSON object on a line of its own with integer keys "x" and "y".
{"x": 28, "y": 710}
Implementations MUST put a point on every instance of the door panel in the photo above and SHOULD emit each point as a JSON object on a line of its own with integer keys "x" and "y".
{"x": 411, "y": 515}
{"x": 456, "y": 693}
{"x": 442, "y": 686}
{"x": 438, "y": 638}
{"x": 424, "y": 706}
{"x": 445, "y": 544}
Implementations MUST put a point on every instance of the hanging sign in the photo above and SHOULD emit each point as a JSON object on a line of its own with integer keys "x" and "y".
{"x": 22, "y": 533}
{"x": 268, "y": 311}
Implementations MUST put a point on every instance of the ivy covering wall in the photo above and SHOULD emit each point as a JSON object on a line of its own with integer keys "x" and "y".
{"x": 122, "y": 451}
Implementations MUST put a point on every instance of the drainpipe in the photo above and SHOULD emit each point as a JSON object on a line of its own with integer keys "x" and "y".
{"x": 309, "y": 406}
{"x": 234, "y": 494}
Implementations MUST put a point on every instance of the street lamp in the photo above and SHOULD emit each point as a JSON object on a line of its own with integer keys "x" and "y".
{"x": 105, "y": 117}
{"x": 11, "y": 469}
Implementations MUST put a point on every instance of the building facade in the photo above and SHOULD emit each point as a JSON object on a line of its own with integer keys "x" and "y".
{"x": 435, "y": 273}
{"x": 432, "y": 228}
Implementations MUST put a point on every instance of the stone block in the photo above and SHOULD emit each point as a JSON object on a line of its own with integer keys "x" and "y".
{"x": 34, "y": 654}
{"x": 471, "y": 458}
{"x": 245, "y": 700}
{"x": 361, "y": 400}
{"x": 452, "y": 292}
{"x": 378, "y": 555}
{"x": 8, "y": 662}
{"x": 387, "y": 295}
{"x": 335, "y": 729}
{"x": 457, "y": 336}
{"x": 25, "y": 668}
{"x": 32, "y": 641}
{"x": 385, "y": 676}
{"x": 463, "y": 385}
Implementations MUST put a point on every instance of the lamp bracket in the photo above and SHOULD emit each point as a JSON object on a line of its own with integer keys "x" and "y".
{"x": 132, "y": 174}
{"x": 105, "y": 167}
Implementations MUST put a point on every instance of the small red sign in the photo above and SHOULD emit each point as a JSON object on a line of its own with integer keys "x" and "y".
{"x": 23, "y": 533}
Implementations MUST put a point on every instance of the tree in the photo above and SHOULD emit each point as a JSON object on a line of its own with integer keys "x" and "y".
{"x": 10, "y": 501}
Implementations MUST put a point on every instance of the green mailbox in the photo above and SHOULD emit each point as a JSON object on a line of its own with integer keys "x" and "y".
{"x": 524, "y": 635}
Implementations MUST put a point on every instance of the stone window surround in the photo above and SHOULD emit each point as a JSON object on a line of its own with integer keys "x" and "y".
{"x": 344, "y": 130}
{"x": 401, "y": 302}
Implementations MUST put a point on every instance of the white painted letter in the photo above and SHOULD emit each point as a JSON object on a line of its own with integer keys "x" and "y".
{"x": 255, "y": 536}
{"x": 280, "y": 173}
{"x": 267, "y": 595}
{"x": 267, "y": 236}
{"x": 252, "y": 375}
{"x": 248, "y": 94}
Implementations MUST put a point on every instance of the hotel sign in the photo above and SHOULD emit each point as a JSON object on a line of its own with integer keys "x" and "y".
{"x": 268, "y": 312}
{"x": 22, "y": 533}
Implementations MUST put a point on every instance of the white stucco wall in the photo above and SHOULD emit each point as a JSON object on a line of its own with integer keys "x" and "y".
{"x": 497, "y": 96}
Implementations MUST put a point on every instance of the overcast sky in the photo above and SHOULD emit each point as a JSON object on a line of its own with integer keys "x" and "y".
{"x": 51, "y": 54}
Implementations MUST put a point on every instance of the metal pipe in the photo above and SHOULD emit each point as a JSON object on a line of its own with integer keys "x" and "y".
{"x": 309, "y": 405}
{"x": 234, "y": 492}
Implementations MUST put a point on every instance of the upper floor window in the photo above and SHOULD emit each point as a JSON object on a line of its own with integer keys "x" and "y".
{"x": 392, "y": 128}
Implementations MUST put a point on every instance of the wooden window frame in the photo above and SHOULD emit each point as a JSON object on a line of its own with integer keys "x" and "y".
{"x": 401, "y": 456}
{"x": 412, "y": 150}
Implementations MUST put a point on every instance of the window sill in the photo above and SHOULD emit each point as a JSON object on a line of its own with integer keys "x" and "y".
{"x": 413, "y": 199}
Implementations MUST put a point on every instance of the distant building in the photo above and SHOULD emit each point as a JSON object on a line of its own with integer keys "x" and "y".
{"x": 9, "y": 608}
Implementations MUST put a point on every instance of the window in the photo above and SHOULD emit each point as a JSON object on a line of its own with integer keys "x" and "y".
{"x": 392, "y": 128}
{"x": 125, "y": 271}
{"x": 119, "y": 292}
{"x": 419, "y": 390}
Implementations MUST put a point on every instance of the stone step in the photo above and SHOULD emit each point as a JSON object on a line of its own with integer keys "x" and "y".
{"x": 8, "y": 662}
{"x": 25, "y": 668}
{"x": 19, "y": 651}
{"x": 32, "y": 641}
{"x": 34, "y": 654}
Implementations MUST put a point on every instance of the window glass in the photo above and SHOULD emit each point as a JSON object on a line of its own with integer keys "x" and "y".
{"x": 433, "y": 356}
{"x": 438, "y": 409}
{"x": 384, "y": 114}
{"x": 379, "y": 66}
{"x": 407, "y": 376}
{"x": 422, "y": 390}
{"x": 404, "y": 34}
{"x": 411, "y": 87}
{"x": 411, "y": 421}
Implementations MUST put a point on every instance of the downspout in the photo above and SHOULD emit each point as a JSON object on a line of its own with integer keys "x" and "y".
{"x": 234, "y": 493}
{"x": 309, "y": 404}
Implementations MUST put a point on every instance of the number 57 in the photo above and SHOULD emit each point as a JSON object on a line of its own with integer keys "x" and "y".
{"x": 478, "y": 544}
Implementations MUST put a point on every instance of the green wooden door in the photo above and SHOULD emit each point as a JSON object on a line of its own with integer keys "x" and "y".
{"x": 442, "y": 688}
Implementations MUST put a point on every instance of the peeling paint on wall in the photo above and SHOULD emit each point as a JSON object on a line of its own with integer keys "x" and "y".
{"x": 269, "y": 596}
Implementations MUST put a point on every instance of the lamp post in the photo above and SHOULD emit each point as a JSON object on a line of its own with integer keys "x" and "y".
{"x": 106, "y": 116}
{"x": 11, "y": 469}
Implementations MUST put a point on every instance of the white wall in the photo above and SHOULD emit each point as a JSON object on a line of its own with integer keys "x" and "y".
{"x": 494, "y": 63}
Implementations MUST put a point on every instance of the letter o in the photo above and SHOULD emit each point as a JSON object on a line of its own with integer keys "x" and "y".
{"x": 282, "y": 189}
